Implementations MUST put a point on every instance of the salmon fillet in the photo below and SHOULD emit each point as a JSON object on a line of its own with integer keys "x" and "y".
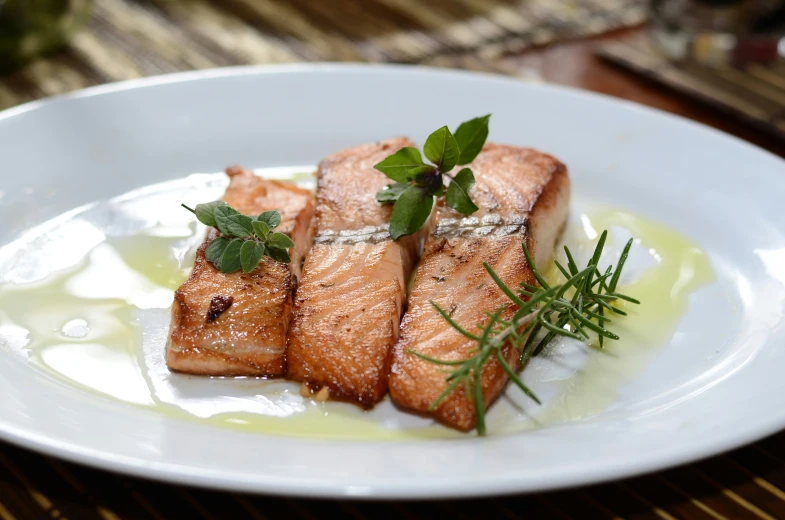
{"x": 349, "y": 302}
{"x": 522, "y": 195}
{"x": 236, "y": 324}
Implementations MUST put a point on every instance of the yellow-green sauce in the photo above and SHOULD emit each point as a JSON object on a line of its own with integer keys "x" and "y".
{"x": 663, "y": 291}
{"x": 86, "y": 326}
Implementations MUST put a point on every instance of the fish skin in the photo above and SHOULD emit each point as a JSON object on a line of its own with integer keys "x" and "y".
{"x": 249, "y": 337}
{"x": 522, "y": 194}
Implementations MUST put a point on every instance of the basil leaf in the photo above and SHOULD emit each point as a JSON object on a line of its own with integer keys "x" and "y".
{"x": 232, "y": 223}
{"x": 205, "y": 212}
{"x": 398, "y": 165}
{"x": 458, "y": 192}
{"x": 221, "y": 214}
{"x": 215, "y": 251}
{"x": 391, "y": 192}
{"x": 442, "y": 149}
{"x": 250, "y": 254}
{"x": 410, "y": 212}
{"x": 279, "y": 241}
{"x": 261, "y": 229}
{"x": 271, "y": 218}
{"x": 471, "y": 136}
{"x": 225, "y": 210}
{"x": 230, "y": 260}
{"x": 279, "y": 255}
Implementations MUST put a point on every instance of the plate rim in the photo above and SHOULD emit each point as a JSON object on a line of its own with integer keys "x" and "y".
{"x": 285, "y": 68}
{"x": 174, "y": 474}
{"x": 202, "y": 477}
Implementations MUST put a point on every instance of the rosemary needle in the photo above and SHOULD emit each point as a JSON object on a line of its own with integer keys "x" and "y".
{"x": 541, "y": 308}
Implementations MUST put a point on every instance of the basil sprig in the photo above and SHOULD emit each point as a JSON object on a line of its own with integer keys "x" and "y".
{"x": 417, "y": 183}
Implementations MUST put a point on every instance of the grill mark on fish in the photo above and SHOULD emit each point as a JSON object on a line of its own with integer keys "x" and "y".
{"x": 369, "y": 234}
{"x": 489, "y": 224}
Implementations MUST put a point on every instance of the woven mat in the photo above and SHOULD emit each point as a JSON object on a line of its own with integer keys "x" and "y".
{"x": 128, "y": 39}
{"x": 746, "y": 483}
{"x": 755, "y": 94}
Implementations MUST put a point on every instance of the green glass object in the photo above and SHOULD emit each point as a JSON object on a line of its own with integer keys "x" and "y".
{"x": 31, "y": 28}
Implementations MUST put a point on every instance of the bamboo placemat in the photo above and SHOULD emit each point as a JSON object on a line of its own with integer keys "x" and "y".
{"x": 754, "y": 93}
{"x": 746, "y": 483}
{"x": 132, "y": 38}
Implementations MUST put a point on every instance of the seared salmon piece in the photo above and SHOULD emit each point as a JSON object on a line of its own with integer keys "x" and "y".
{"x": 349, "y": 303}
{"x": 522, "y": 195}
{"x": 236, "y": 324}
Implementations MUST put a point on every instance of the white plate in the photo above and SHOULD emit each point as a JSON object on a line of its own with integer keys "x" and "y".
{"x": 716, "y": 385}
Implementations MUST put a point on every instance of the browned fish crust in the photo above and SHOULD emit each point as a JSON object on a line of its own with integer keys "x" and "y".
{"x": 523, "y": 195}
{"x": 348, "y": 306}
{"x": 236, "y": 324}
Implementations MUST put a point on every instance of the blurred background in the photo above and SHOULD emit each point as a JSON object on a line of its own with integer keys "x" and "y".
{"x": 125, "y": 39}
{"x": 724, "y": 52}
{"x": 715, "y": 61}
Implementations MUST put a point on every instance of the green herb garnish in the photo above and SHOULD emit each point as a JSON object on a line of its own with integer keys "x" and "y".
{"x": 417, "y": 182}
{"x": 573, "y": 309}
{"x": 245, "y": 239}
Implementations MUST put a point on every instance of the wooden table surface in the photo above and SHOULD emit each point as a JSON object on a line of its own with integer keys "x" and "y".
{"x": 746, "y": 483}
{"x": 574, "y": 64}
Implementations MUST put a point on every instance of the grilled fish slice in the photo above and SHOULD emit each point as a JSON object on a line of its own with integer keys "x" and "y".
{"x": 523, "y": 195}
{"x": 349, "y": 302}
{"x": 236, "y": 324}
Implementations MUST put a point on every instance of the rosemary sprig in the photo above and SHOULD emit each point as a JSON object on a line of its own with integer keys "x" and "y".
{"x": 577, "y": 308}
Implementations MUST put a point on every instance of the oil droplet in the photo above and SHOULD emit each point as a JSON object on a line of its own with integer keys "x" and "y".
{"x": 75, "y": 329}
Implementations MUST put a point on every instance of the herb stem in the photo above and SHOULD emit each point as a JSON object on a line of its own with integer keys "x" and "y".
{"x": 546, "y": 308}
